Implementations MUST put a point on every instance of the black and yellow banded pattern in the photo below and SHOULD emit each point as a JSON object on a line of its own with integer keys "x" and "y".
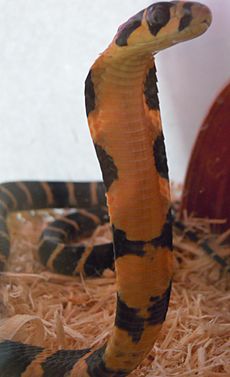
{"x": 123, "y": 114}
{"x": 54, "y": 250}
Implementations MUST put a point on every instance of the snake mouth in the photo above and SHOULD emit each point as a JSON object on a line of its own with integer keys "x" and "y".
{"x": 207, "y": 22}
{"x": 201, "y": 15}
{"x": 206, "y": 15}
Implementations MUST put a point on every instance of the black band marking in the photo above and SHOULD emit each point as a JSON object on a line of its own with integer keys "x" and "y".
{"x": 38, "y": 194}
{"x": 3, "y": 226}
{"x": 187, "y": 18}
{"x": 165, "y": 239}
{"x": 5, "y": 198}
{"x": 70, "y": 229}
{"x": 150, "y": 89}
{"x": 159, "y": 307}
{"x": 54, "y": 233}
{"x": 66, "y": 261}
{"x": 160, "y": 158}
{"x": 89, "y": 94}
{"x": 97, "y": 368}
{"x": 123, "y": 246}
{"x": 100, "y": 258}
{"x": 18, "y": 193}
{"x": 15, "y": 357}
{"x": 3, "y": 208}
{"x": 62, "y": 362}
{"x": 127, "y": 28}
{"x": 101, "y": 194}
{"x": 108, "y": 168}
{"x": 85, "y": 223}
{"x": 60, "y": 194}
{"x": 157, "y": 16}
{"x": 82, "y": 194}
{"x": 128, "y": 319}
{"x": 45, "y": 250}
{"x": 4, "y": 246}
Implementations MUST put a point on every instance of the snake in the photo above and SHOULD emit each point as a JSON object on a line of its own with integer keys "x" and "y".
{"x": 123, "y": 113}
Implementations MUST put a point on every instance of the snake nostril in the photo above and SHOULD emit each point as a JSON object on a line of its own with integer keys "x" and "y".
{"x": 207, "y": 22}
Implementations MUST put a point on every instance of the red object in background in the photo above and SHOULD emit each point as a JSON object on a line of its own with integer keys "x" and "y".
{"x": 207, "y": 185}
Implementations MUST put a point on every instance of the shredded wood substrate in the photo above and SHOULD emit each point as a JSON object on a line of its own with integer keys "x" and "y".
{"x": 43, "y": 308}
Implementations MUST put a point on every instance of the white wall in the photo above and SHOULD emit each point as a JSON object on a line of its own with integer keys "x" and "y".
{"x": 47, "y": 47}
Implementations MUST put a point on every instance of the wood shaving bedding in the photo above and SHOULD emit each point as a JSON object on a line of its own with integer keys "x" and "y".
{"x": 47, "y": 309}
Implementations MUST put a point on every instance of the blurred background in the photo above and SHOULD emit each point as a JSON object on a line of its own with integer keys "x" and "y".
{"x": 47, "y": 48}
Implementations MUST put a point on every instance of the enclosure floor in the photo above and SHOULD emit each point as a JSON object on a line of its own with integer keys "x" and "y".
{"x": 74, "y": 312}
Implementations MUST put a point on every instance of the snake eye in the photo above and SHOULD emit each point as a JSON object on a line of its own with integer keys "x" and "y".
{"x": 158, "y": 16}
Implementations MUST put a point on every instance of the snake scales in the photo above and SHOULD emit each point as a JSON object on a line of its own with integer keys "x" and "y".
{"x": 123, "y": 114}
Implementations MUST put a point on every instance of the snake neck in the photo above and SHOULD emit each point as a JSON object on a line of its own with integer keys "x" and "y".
{"x": 124, "y": 119}
{"x": 126, "y": 129}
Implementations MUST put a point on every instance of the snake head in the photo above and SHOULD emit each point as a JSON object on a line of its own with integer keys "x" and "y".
{"x": 164, "y": 24}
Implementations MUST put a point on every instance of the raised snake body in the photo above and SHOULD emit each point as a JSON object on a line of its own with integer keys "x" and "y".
{"x": 124, "y": 119}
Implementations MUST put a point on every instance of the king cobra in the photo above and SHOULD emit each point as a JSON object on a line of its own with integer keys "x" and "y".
{"x": 124, "y": 119}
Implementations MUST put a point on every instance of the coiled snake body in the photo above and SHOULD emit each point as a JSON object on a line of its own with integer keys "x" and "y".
{"x": 124, "y": 119}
